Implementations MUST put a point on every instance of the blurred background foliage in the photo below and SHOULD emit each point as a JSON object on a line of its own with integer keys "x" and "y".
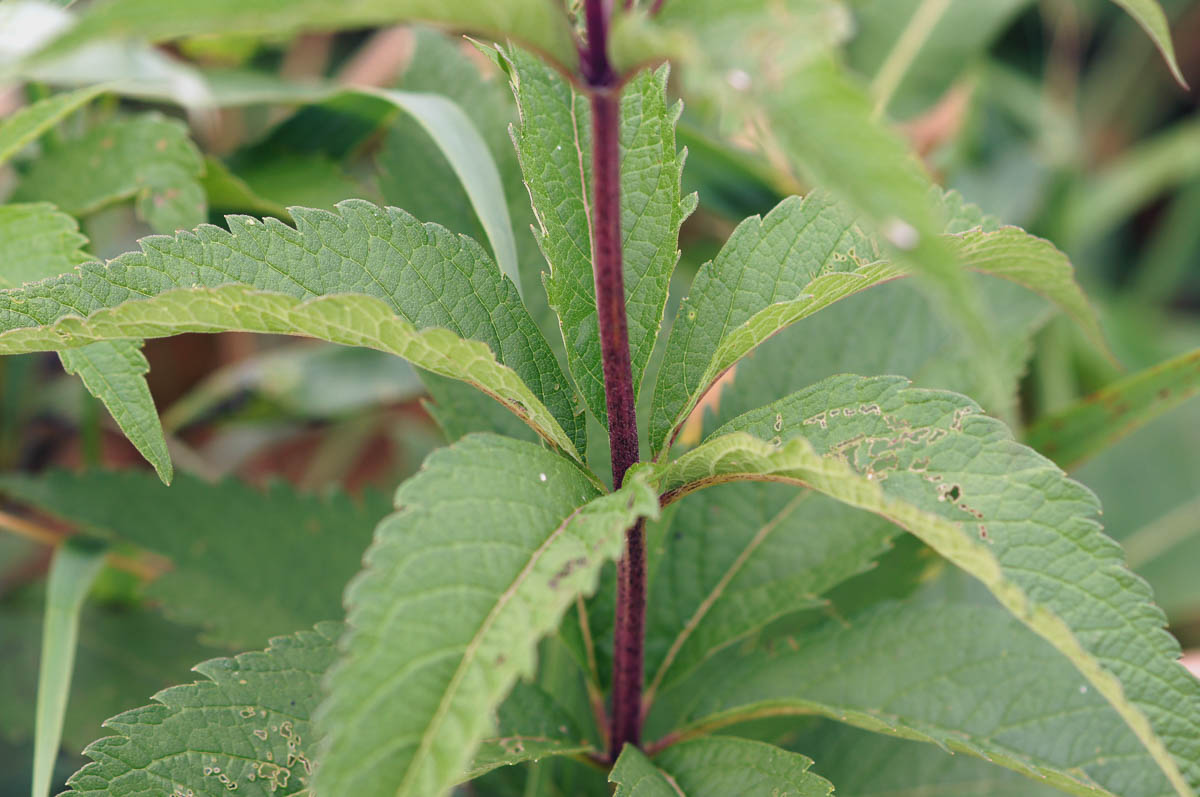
{"x": 1056, "y": 115}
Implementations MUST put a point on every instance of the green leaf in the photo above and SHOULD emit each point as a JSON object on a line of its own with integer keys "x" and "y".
{"x": 720, "y": 48}
{"x": 468, "y": 156}
{"x": 554, "y": 146}
{"x": 530, "y": 726}
{"x": 28, "y": 124}
{"x": 968, "y": 679}
{"x": 824, "y": 123}
{"x": 920, "y": 342}
{"x": 289, "y": 162}
{"x": 362, "y": 276}
{"x": 737, "y": 557}
{"x": 37, "y": 241}
{"x": 803, "y": 256}
{"x": 870, "y": 765}
{"x": 443, "y": 120}
{"x": 146, "y": 157}
{"x": 246, "y": 565}
{"x": 276, "y": 693}
{"x": 1090, "y": 425}
{"x": 461, "y": 411}
{"x": 72, "y": 572}
{"x": 717, "y": 766}
{"x": 227, "y": 192}
{"x": 540, "y": 24}
{"x": 115, "y": 372}
{"x": 1149, "y": 479}
{"x": 915, "y": 49}
{"x": 247, "y": 727}
{"x": 1032, "y": 262}
{"x": 495, "y": 539}
{"x": 409, "y": 160}
{"x": 308, "y": 179}
{"x": 982, "y": 243}
{"x": 930, "y": 463}
{"x": 124, "y": 653}
{"x": 1150, "y": 16}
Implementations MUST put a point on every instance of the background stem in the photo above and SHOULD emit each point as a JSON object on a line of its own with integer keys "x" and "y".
{"x": 607, "y": 266}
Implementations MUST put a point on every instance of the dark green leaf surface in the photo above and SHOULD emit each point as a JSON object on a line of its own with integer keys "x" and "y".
{"x": 124, "y": 655}
{"x": 28, "y": 124}
{"x": 1096, "y": 422}
{"x": 246, "y": 565}
{"x": 114, "y": 371}
{"x": 530, "y": 726}
{"x": 919, "y": 343}
{"x": 717, "y": 766}
{"x": 867, "y": 764}
{"x": 495, "y": 538}
{"x": 38, "y": 242}
{"x": 419, "y": 275}
{"x": 148, "y": 158}
{"x": 247, "y": 728}
{"x": 805, "y": 254}
{"x": 737, "y": 557}
{"x": 554, "y": 144}
{"x": 929, "y": 462}
{"x": 965, "y": 678}
{"x": 808, "y": 254}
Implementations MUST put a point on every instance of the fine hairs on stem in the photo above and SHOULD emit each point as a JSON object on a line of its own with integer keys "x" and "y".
{"x": 607, "y": 266}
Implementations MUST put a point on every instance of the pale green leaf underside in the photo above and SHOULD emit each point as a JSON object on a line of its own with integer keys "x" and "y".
{"x": 37, "y": 241}
{"x": 363, "y": 276}
{"x": 495, "y": 538}
{"x": 540, "y": 24}
{"x": 72, "y": 572}
{"x": 717, "y": 766}
{"x": 553, "y": 142}
{"x": 930, "y": 463}
{"x": 248, "y": 724}
{"x": 738, "y": 556}
{"x": 807, "y": 254}
{"x": 114, "y": 371}
{"x": 1097, "y": 421}
{"x": 146, "y": 157}
{"x": 968, "y": 679}
{"x": 246, "y": 564}
{"x": 348, "y": 319}
{"x": 28, "y": 124}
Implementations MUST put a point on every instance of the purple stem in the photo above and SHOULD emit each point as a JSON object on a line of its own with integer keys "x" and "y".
{"x": 607, "y": 266}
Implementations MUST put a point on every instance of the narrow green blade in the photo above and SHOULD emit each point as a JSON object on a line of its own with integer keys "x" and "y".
{"x": 72, "y": 572}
